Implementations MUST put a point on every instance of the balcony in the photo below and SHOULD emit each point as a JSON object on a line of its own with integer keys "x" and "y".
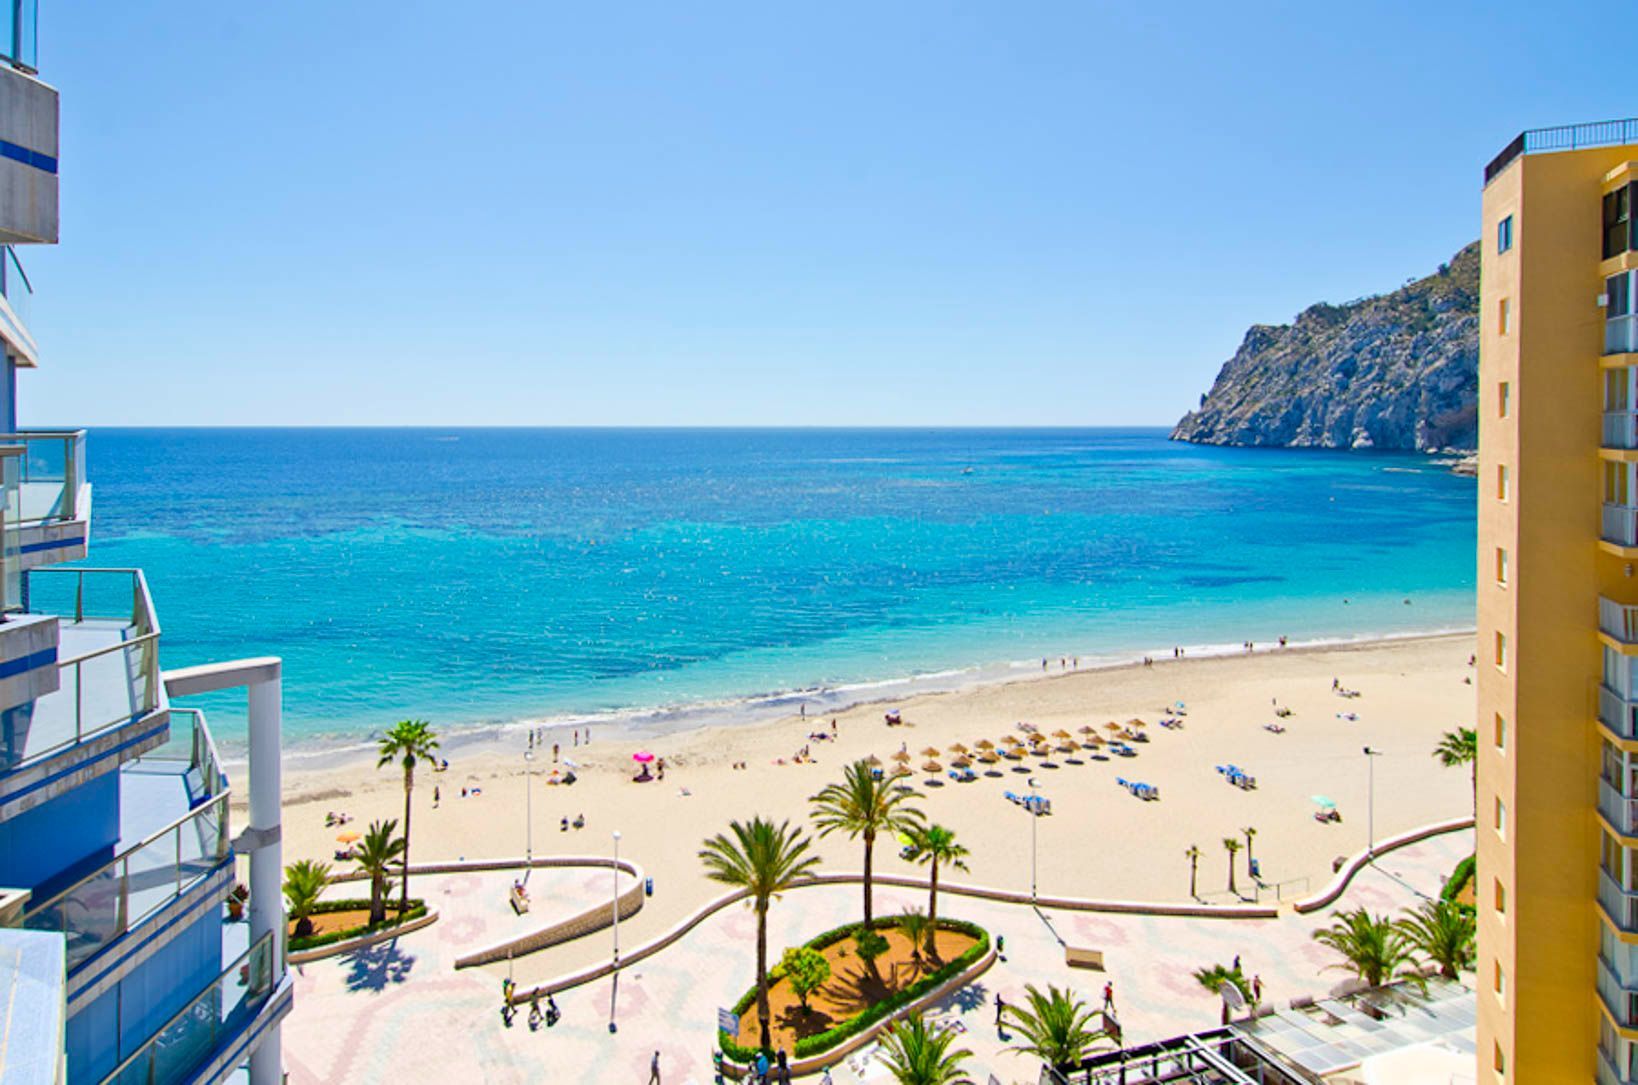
{"x": 1619, "y": 904}
{"x": 1621, "y": 334}
{"x": 1618, "y": 621}
{"x": 1607, "y": 1072}
{"x": 1617, "y": 713}
{"x": 1619, "y": 810}
{"x": 163, "y": 864}
{"x": 20, "y": 34}
{"x": 1621, "y": 429}
{"x": 1621, "y": 1001}
{"x": 205, "y": 1030}
{"x": 52, "y": 504}
{"x": 1620, "y": 525}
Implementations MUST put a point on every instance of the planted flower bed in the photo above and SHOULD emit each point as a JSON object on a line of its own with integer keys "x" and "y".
{"x": 856, "y": 995}
{"x": 343, "y": 920}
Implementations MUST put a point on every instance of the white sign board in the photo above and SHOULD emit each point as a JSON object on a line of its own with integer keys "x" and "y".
{"x": 728, "y": 1021}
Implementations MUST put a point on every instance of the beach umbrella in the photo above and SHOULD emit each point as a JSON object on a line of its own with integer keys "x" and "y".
{"x": 642, "y": 756}
{"x": 961, "y": 762}
{"x": 932, "y": 768}
{"x": 960, "y": 748}
{"x": 1061, "y": 733}
{"x": 931, "y": 751}
{"x": 873, "y": 761}
{"x": 901, "y": 757}
{"x": 1135, "y": 722}
{"x": 347, "y": 838}
{"x": 1071, "y": 745}
{"x": 1113, "y": 727}
{"x": 985, "y": 744}
{"x": 1088, "y": 729}
{"x": 1012, "y": 740}
{"x": 1094, "y": 739}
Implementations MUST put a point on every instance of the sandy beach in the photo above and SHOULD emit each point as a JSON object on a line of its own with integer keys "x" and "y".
{"x": 1099, "y": 840}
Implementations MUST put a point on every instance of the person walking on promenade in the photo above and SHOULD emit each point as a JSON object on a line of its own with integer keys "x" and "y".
{"x": 654, "y": 1069}
{"x": 1109, "y": 995}
{"x": 1000, "y": 1007}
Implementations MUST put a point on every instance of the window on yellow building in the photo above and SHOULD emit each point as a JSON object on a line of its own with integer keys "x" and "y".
{"x": 1501, "y": 566}
{"x": 1501, "y": 818}
{"x": 1501, "y": 898}
{"x": 1504, "y": 396}
{"x": 1501, "y": 1062}
{"x": 1501, "y": 482}
{"x": 1504, "y": 316}
{"x": 1501, "y": 650}
{"x": 1501, "y": 733}
{"x": 1501, "y": 981}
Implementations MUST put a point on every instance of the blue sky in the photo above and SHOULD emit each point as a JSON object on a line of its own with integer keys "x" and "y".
{"x": 695, "y": 214}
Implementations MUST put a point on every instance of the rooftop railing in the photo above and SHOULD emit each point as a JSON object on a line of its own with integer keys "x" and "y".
{"x": 106, "y": 687}
{"x": 20, "y": 34}
{"x": 204, "y": 1026}
{"x": 1565, "y": 137}
{"x": 142, "y": 879}
{"x": 14, "y": 285}
{"x": 50, "y": 474}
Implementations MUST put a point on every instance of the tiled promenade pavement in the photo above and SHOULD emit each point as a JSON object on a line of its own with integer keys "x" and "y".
{"x": 398, "y": 1012}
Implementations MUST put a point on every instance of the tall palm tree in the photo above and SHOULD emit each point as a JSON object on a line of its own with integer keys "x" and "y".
{"x": 1250, "y": 833}
{"x": 1461, "y": 747}
{"x": 1056, "y": 1026}
{"x": 408, "y": 742}
{"x": 1193, "y": 855}
{"x": 378, "y": 853}
{"x": 304, "y": 883}
{"x": 936, "y": 845}
{"x": 764, "y": 859}
{"x": 1375, "y": 949}
{"x": 917, "y": 1055}
{"x": 1214, "y": 976}
{"x": 864, "y": 806}
{"x": 1231, "y": 845}
{"x": 1443, "y": 932}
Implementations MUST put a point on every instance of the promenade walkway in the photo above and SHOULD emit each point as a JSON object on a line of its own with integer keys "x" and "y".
{"x": 400, "y": 1012}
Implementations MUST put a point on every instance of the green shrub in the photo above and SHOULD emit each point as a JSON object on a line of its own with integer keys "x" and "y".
{"x": 417, "y": 909}
{"x": 1459, "y": 878}
{"x": 824, "y": 1041}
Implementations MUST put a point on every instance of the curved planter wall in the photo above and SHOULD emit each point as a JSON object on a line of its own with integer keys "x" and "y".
{"x": 302, "y": 956}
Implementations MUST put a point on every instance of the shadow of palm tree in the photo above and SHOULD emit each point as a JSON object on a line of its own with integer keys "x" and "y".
{"x": 802, "y": 1024}
{"x": 972, "y": 997}
{"x": 374, "y": 968}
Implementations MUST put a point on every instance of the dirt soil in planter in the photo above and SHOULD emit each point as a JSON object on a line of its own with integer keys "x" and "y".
{"x": 850, "y": 990}
{"x": 325, "y": 922}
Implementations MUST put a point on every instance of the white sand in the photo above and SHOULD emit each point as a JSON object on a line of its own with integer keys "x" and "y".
{"x": 1100, "y": 841}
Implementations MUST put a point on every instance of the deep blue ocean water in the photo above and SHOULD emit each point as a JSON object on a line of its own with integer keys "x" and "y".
{"x": 476, "y": 577}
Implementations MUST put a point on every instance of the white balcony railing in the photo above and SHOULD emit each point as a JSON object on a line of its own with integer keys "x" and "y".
{"x": 142, "y": 879}
{"x": 1619, "y": 904}
{"x": 1620, "y": 525}
{"x": 1619, "y": 810}
{"x": 1618, "y": 620}
{"x": 1617, "y": 713}
{"x": 1621, "y": 429}
{"x": 1621, "y": 1001}
{"x": 1620, "y": 334}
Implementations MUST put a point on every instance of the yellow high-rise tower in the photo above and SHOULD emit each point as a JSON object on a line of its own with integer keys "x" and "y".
{"x": 1557, "y": 669}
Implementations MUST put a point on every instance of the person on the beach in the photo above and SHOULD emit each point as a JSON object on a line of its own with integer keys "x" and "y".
{"x": 434, "y": 795}
{"x": 554, "y": 753}
{"x": 654, "y": 1069}
{"x": 1000, "y": 1006}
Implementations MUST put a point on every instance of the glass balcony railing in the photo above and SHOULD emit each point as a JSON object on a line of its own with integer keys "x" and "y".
{"x": 1620, "y": 525}
{"x": 51, "y": 471}
{"x": 15, "y": 287}
{"x": 1608, "y": 1074}
{"x": 1617, "y": 713}
{"x": 1618, "y": 620}
{"x": 1622, "y": 1001}
{"x": 1619, "y": 810}
{"x": 20, "y": 34}
{"x": 1621, "y": 429}
{"x": 108, "y": 667}
{"x": 147, "y": 876}
{"x": 206, "y": 1024}
{"x": 1621, "y": 334}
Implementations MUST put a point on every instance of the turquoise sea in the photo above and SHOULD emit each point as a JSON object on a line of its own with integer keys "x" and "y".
{"x": 661, "y": 577}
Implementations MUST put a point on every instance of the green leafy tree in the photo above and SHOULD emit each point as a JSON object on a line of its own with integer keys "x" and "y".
{"x": 806, "y": 970}
{"x": 865, "y": 807}
{"x": 408, "y": 742}
{"x": 378, "y": 855}
{"x": 1055, "y": 1025}
{"x": 1214, "y": 976}
{"x": 304, "y": 882}
{"x": 1374, "y": 948}
{"x": 917, "y": 929}
{"x": 1232, "y": 846}
{"x": 763, "y": 859}
{"x": 1193, "y": 855}
{"x": 1444, "y": 933}
{"x": 869, "y": 945}
{"x": 1461, "y": 747}
{"x": 917, "y": 1055}
{"x": 933, "y": 847}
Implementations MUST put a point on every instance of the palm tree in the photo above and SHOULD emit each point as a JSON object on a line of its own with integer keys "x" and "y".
{"x": 1250, "y": 835}
{"x": 304, "y": 882}
{"x": 765, "y": 860}
{"x": 936, "y": 844}
{"x": 378, "y": 853}
{"x": 1213, "y": 978}
{"x": 1194, "y": 868}
{"x": 917, "y": 1055}
{"x": 1443, "y": 932}
{"x": 864, "y": 806}
{"x": 1231, "y": 845}
{"x": 1056, "y": 1026}
{"x": 1374, "y": 947}
{"x": 407, "y": 742}
{"x": 917, "y": 928}
{"x": 1461, "y": 747}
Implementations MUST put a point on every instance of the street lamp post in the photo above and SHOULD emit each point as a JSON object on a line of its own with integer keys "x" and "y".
{"x": 1034, "y": 817}
{"x": 615, "y": 974}
{"x": 1370, "y": 800}
{"x": 528, "y": 813}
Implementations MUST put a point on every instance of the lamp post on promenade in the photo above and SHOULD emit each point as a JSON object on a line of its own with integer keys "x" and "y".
{"x": 1034, "y": 817}
{"x": 1370, "y": 801}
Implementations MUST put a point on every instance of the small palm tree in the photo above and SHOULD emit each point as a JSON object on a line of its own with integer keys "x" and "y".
{"x": 1232, "y": 846}
{"x": 1250, "y": 835}
{"x": 304, "y": 883}
{"x": 1443, "y": 932}
{"x": 1461, "y": 747}
{"x": 917, "y": 929}
{"x": 378, "y": 854}
{"x": 863, "y": 806}
{"x": 917, "y": 1055}
{"x": 1193, "y": 855}
{"x": 1213, "y": 977}
{"x": 764, "y": 859}
{"x": 1374, "y": 948}
{"x": 408, "y": 742}
{"x": 935, "y": 845}
{"x": 1056, "y": 1026}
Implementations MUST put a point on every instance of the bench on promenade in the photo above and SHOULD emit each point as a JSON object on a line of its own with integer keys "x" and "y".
{"x": 1083, "y": 958}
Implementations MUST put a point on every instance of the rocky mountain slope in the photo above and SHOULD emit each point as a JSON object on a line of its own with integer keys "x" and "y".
{"x": 1397, "y": 371}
